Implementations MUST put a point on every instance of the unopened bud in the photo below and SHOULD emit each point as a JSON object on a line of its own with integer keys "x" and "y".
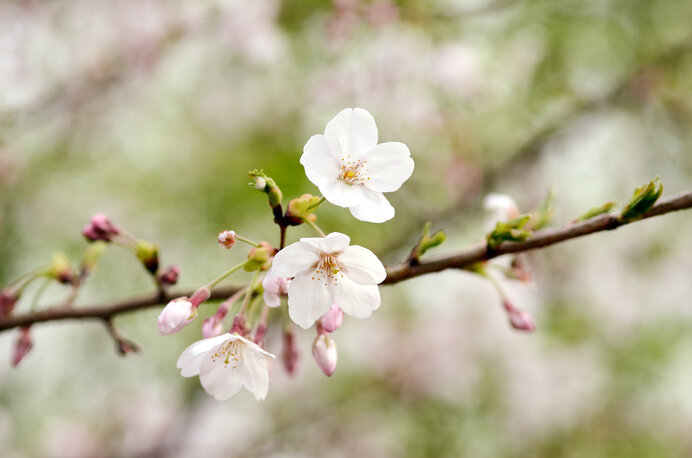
{"x": 177, "y": 314}
{"x": 125, "y": 347}
{"x": 302, "y": 206}
{"x": 262, "y": 182}
{"x": 519, "y": 319}
{"x": 324, "y": 352}
{"x": 227, "y": 239}
{"x": 239, "y": 324}
{"x": 100, "y": 228}
{"x": 260, "y": 332}
{"x": 290, "y": 354}
{"x": 22, "y": 346}
{"x": 259, "y": 258}
{"x": 169, "y": 276}
{"x": 331, "y": 321}
{"x": 8, "y": 299}
{"x": 148, "y": 254}
{"x": 60, "y": 268}
{"x": 212, "y": 327}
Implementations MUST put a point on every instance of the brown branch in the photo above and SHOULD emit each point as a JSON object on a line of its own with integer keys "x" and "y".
{"x": 395, "y": 273}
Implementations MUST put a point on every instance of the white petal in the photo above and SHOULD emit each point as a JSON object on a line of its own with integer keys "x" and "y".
{"x": 333, "y": 242}
{"x": 374, "y": 209}
{"x": 354, "y": 129}
{"x": 341, "y": 194}
{"x": 254, "y": 373}
{"x": 321, "y": 159}
{"x": 218, "y": 379}
{"x": 355, "y": 299}
{"x": 389, "y": 166}
{"x": 362, "y": 266}
{"x": 253, "y": 346}
{"x": 308, "y": 299}
{"x": 272, "y": 286}
{"x": 191, "y": 358}
{"x": 293, "y": 259}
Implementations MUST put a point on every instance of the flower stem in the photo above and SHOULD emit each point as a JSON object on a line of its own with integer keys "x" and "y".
{"x": 494, "y": 282}
{"x": 39, "y": 292}
{"x": 314, "y": 226}
{"x": 22, "y": 282}
{"x": 221, "y": 277}
{"x": 282, "y": 241}
{"x": 247, "y": 240}
{"x": 124, "y": 242}
{"x": 316, "y": 204}
{"x": 248, "y": 293}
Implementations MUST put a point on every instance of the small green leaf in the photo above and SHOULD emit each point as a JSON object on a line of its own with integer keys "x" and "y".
{"x": 428, "y": 241}
{"x": 544, "y": 213}
{"x": 642, "y": 200}
{"x": 509, "y": 231}
{"x": 595, "y": 211}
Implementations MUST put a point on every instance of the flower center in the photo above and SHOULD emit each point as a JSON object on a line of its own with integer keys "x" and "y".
{"x": 231, "y": 352}
{"x": 353, "y": 171}
{"x": 328, "y": 268}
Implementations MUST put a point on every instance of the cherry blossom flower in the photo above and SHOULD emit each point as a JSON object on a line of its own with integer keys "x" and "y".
{"x": 327, "y": 270}
{"x": 226, "y": 363}
{"x": 324, "y": 352}
{"x": 352, "y": 170}
{"x": 274, "y": 288}
{"x": 177, "y": 314}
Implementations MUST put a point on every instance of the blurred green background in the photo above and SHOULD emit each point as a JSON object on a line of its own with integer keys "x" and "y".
{"x": 153, "y": 111}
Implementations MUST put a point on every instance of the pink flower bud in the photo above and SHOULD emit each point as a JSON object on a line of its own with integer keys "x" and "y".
{"x": 260, "y": 332}
{"x": 239, "y": 323}
{"x": 212, "y": 327}
{"x": 290, "y": 354}
{"x": 169, "y": 276}
{"x": 8, "y": 299}
{"x": 200, "y": 296}
{"x": 331, "y": 321}
{"x": 22, "y": 346}
{"x": 519, "y": 319}
{"x": 274, "y": 288}
{"x": 176, "y": 315}
{"x": 324, "y": 352}
{"x": 227, "y": 239}
{"x": 100, "y": 228}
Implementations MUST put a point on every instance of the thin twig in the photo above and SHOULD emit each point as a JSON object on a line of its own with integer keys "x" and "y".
{"x": 123, "y": 345}
{"x": 395, "y": 273}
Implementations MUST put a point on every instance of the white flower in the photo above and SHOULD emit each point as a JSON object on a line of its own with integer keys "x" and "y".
{"x": 176, "y": 315}
{"x": 500, "y": 208}
{"x": 225, "y": 363}
{"x": 327, "y": 270}
{"x": 274, "y": 288}
{"x": 352, "y": 170}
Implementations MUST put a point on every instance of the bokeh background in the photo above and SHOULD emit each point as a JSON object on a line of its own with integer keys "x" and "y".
{"x": 153, "y": 111}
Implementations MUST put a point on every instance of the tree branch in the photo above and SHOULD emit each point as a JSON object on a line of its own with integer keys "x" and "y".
{"x": 395, "y": 273}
